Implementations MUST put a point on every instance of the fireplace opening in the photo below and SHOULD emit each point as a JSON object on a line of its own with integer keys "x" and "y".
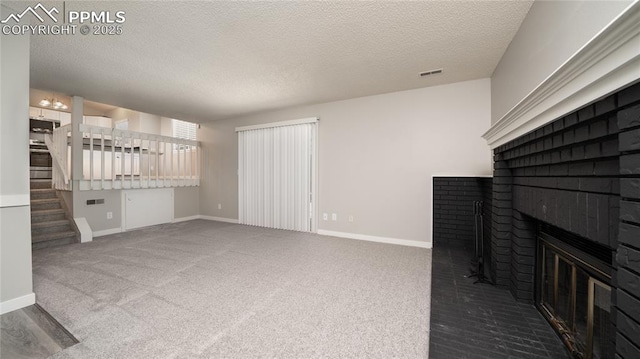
{"x": 574, "y": 291}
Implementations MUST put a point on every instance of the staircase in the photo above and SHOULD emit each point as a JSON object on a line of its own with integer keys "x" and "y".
{"x": 50, "y": 225}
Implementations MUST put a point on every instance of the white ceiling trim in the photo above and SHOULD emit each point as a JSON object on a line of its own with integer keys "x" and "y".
{"x": 610, "y": 60}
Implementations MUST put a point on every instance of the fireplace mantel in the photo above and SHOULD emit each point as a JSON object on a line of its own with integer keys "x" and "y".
{"x": 608, "y": 62}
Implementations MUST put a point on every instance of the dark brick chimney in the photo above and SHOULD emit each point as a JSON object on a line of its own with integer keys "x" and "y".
{"x": 580, "y": 174}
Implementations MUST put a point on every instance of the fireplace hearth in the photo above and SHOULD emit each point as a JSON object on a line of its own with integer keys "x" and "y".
{"x": 565, "y": 232}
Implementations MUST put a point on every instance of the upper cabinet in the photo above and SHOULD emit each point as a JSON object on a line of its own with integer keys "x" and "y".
{"x": 34, "y": 112}
{"x": 64, "y": 118}
{"x": 51, "y": 115}
{"x": 98, "y": 121}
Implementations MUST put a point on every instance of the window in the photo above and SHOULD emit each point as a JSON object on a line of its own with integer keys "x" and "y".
{"x": 185, "y": 130}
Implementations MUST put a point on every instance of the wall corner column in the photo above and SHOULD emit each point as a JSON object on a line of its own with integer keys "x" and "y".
{"x": 77, "y": 113}
{"x": 500, "y": 269}
{"x": 16, "y": 282}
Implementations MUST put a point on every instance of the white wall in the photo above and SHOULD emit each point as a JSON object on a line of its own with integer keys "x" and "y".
{"x": 149, "y": 124}
{"x": 376, "y": 156}
{"x": 16, "y": 286}
{"x": 120, "y": 114}
{"x": 166, "y": 126}
{"x": 550, "y": 34}
{"x": 138, "y": 121}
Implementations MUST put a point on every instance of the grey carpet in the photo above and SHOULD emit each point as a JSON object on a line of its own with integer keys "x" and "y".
{"x": 203, "y": 289}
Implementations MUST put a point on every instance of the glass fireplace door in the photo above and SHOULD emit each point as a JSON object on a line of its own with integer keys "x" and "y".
{"x": 575, "y": 303}
{"x": 599, "y": 317}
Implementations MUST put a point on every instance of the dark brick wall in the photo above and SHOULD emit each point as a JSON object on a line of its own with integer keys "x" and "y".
{"x": 487, "y": 216}
{"x": 453, "y": 197}
{"x": 627, "y": 296}
{"x": 580, "y": 173}
{"x": 567, "y": 174}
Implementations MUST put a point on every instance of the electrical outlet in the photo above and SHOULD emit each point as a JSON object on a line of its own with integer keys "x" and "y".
{"x": 350, "y": 218}
{"x": 334, "y": 216}
{"x": 109, "y": 215}
{"x": 219, "y": 205}
{"x": 325, "y": 217}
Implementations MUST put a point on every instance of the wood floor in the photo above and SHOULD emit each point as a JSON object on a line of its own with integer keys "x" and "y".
{"x": 32, "y": 333}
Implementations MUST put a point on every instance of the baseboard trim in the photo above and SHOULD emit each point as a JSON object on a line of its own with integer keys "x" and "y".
{"x": 17, "y": 303}
{"x": 106, "y": 232}
{"x": 364, "y": 237}
{"x": 184, "y": 219}
{"x": 220, "y": 219}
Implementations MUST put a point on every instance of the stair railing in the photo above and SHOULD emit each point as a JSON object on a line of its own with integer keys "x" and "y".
{"x": 120, "y": 159}
{"x": 58, "y": 146}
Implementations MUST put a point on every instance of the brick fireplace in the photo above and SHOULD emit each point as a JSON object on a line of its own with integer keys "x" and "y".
{"x": 565, "y": 231}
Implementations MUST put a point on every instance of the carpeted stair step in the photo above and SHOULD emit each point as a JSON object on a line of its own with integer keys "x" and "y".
{"x": 44, "y": 204}
{"x": 51, "y": 227}
{"x": 40, "y": 184}
{"x": 43, "y": 193}
{"x": 53, "y": 239}
{"x": 47, "y": 215}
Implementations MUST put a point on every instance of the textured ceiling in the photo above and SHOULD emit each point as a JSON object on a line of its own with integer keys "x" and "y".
{"x": 203, "y": 61}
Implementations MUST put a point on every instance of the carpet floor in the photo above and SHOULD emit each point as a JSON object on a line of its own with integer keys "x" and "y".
{"x": 204, "y": 289}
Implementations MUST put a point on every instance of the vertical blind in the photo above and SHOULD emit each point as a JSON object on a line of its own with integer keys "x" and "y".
{"x": 276, "y": 176}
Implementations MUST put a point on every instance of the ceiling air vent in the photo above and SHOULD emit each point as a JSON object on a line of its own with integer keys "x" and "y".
{"x": 432, "y": 72}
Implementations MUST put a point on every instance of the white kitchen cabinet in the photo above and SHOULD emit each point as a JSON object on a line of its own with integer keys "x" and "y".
{"x": 65, "y": 118}
{"x": 98, "y": 121}
{"x": 34, "y": 112}
{"x": 51, "y": 114}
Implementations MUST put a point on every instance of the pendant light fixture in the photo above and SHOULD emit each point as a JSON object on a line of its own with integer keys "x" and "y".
{"x": 53, "y": 102}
